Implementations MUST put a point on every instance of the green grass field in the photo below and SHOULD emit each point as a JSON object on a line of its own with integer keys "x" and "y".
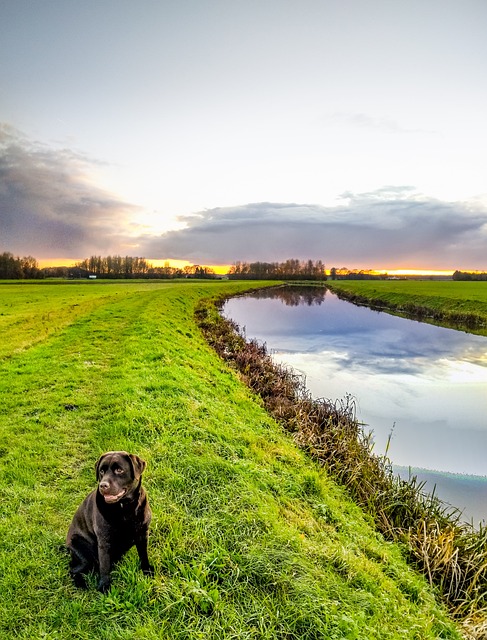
{"x": 250, "y": 539}
{"x": 461, "y": 304}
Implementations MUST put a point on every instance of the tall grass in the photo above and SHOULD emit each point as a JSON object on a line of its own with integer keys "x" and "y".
{"x": 452, "y": 554}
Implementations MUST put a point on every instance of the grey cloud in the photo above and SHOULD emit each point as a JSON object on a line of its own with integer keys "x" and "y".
{"x": 392, "y": 226}
{"x": 48, "y": 207}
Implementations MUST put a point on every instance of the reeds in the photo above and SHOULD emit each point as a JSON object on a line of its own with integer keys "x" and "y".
{"x": 452, "y": 554}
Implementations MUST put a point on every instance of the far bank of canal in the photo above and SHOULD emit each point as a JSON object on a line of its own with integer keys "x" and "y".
{"x": 419, "y": 386}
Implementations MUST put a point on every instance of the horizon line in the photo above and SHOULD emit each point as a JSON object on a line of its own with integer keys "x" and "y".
{"x": 222, "y": 269}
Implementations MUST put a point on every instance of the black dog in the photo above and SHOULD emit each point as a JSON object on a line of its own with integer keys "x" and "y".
{"x": 110, "y": 520}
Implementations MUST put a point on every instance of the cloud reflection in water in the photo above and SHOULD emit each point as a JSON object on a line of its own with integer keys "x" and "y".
{"x": 423, "y": 383}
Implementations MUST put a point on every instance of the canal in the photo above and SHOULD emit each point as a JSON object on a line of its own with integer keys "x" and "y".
{"x": 420, "y": 388}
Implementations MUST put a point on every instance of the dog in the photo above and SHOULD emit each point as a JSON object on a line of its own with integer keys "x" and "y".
{"x": 111, "y": 519}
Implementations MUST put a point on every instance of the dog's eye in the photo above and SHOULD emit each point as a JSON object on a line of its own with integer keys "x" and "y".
{"x": 118, "y": 471}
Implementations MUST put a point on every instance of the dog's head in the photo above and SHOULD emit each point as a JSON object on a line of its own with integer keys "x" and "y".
{"x": 118, "y": 474}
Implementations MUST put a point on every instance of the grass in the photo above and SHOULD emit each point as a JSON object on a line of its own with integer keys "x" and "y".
{"x": 250, "y": 538}
{"x": 461, "y": 305}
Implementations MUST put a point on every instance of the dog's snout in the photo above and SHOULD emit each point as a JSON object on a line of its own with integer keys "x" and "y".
{"x": 104, "y": 484}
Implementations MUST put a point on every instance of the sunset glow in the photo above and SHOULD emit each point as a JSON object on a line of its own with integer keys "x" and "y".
{"x": 222, "y": 269}
{"x": 415, "y": 272}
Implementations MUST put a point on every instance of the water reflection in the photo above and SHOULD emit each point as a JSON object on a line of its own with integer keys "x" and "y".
{"x": 293, "y": 296}
{"x": 423, "y": 384}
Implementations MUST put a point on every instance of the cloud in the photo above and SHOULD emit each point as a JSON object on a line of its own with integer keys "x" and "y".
{"x": 391, "y": 227}
{"x": 49, "y": 206}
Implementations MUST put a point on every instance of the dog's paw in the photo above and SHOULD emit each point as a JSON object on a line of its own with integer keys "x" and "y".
{"x": 79, "y": 580}
{"x": 104, "y": 584}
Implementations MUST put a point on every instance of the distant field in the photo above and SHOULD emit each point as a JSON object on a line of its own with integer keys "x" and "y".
{"x": 250, "y": 539}
{"x": 461, "y": 304}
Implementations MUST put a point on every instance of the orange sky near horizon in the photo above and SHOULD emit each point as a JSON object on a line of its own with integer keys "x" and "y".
{"x": 222, "y": 269}
{"x": 416, "y": 272}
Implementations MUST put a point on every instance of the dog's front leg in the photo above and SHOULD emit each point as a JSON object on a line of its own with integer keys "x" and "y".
{"x": 141, "y": 545}
{"x": 105, "y": 567}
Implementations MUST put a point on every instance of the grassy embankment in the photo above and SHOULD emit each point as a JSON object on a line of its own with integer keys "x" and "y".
{"x": 457, "y": 304}
{"x": 250, "y": 539}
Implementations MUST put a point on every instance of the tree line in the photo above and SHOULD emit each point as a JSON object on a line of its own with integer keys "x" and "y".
{"x": 470, "y": 275}
{"x": 127, "y": 267}
{"x": 15, "y": 268}
{"x": 137, "y": 267}
{"x": 291, "y": 269}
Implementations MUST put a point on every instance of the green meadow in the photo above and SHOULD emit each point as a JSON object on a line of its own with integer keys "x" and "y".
{"x": 455, "y": 303}
{"x": 250, "y": 539}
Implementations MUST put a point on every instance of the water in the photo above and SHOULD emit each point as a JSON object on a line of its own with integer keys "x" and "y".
{"x": 420, "y": 387}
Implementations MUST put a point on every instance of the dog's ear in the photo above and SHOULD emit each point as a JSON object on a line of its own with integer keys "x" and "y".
{"x": 97, "y": 465}
{"x": 138, "y": 464}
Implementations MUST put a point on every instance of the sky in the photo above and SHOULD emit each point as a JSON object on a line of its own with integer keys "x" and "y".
{"x": 215, "y": 131}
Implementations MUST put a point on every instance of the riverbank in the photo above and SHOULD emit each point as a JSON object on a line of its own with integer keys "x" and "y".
{"x": 446, "y": 549}
{"x": 459, "y": 305}
{"x": 250, "y": 538}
